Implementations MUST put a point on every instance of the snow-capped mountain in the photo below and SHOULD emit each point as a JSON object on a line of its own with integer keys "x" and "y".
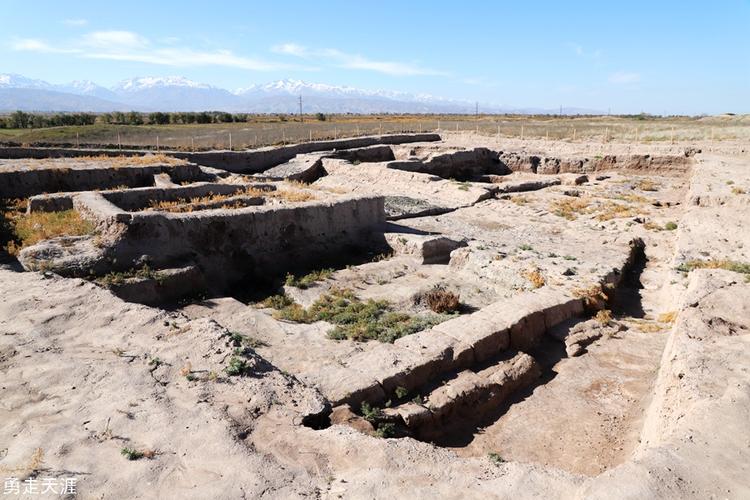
{"x": 141, "y": 83}
{"x": 13, "y": 81}
{"x": 176, "y": 93}
{"x": 299, "y": 87}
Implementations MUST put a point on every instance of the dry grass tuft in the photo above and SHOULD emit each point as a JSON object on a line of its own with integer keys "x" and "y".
{"x": 668, "y": 317}
{"x": 30, "y": 229}
{"x": 647, "y": 185}
{"x": 650, "y": 327}
{"x": 535, "y": 277}
{"x": 570, "y": 208}
{"x": 440, "y": 300}
{"x": 611, "y": 210}
{"x": 633, "y": 198}
{"x": 604, "y": 316}
{"x": 30, "y": 469}
{"x": 290, "y": 195}
{"x": 593, "y": 296}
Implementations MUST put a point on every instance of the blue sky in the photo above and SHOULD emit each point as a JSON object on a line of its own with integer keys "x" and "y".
{"x": 658, "y": 56}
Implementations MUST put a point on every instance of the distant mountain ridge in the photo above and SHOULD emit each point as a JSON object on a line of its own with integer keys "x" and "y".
{"x": 176, "y": 93}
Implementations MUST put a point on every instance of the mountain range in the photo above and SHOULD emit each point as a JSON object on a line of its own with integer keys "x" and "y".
{"x": 177, "y": 93}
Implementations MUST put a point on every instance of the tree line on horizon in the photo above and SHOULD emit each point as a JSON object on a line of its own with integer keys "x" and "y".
{"x": 25, "y": 120}
{"x": 22, "y": 120}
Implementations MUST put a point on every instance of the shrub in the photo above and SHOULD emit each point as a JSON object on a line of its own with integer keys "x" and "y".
{"x": 277, "y": 301}
{"x": 386, "y": 430}
{"x": 355, "y": 319}
{"x": 311, "y": 278}
{"x": 321, "y": 117}
{"x": 370, "y": 413}
{"x": 670, "y": 226}
{"x": 729, "y": 265}
{"x": 131, "y": 453}
{"x": 238, "y": 364}
{"x": 495, "y": 458}
{"x": 293, "y": 312}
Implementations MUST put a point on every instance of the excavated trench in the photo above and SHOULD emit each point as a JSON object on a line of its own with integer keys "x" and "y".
{"x": 482, "y": 409}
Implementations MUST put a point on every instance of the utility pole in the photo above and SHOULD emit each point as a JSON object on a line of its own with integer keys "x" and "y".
{"x": 300, "y": 109}
{"x": 476, "y": 110}
{"x": 560, "y": 110}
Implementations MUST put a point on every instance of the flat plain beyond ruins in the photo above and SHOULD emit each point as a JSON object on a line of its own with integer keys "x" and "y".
{"x": 437, "y": 314}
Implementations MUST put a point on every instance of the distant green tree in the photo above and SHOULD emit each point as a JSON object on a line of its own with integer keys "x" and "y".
{"x": 158, "y": 118}
{"x": 321, "y": 117}
{"x": 134, "y": 118}
{"x": 19, "y": 119}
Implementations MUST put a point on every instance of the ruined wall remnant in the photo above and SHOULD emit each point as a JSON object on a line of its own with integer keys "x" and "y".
{"x": 259, "y": 160}
{"x": 226, "y": 245}
{"x": 20, "y": 181}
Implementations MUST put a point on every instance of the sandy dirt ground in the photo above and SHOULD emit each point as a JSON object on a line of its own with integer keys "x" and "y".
{"x": 133, "y": 401}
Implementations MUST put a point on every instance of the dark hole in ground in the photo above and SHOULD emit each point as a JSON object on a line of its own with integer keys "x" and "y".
{"x": 260, "y": 283}
{"x": 318, "y": 421}
{"x": 626, "y": 299}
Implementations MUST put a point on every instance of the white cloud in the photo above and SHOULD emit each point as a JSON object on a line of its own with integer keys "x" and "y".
{"x": 75, "y": 22}
{"x": 354, "y": 61}
{"x": 624, "y": 78}
{"x": 114, "y": 40}
{"x": 291, "y": 49}
{"x": 35, "y": 45}
{"x": 130, "y": 46}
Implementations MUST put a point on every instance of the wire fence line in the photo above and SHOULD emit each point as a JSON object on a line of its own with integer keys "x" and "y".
{"x": 239, "y": 136}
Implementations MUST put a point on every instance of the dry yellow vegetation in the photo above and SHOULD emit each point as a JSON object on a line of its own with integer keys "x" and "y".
{"x": 30, "y": 229}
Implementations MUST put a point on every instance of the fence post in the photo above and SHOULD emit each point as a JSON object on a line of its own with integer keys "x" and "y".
{"x": 230, "y": 142}
{"x": 335, "y": 133}
{"x": 574, "y": 133}
{"x": 157, "y": 143}
{"x": 119, "y": 143}
{"x": 381, "y": 129}
{"x": 283, "y": 136}
{"x": 310, "y": 135}
{"x": 192, "y": 144}
{"x": 521, "y": 132}
{"x": 671, "y": 136}
{"x": 78, "y": 142}
{"x": 438, "y": 126}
